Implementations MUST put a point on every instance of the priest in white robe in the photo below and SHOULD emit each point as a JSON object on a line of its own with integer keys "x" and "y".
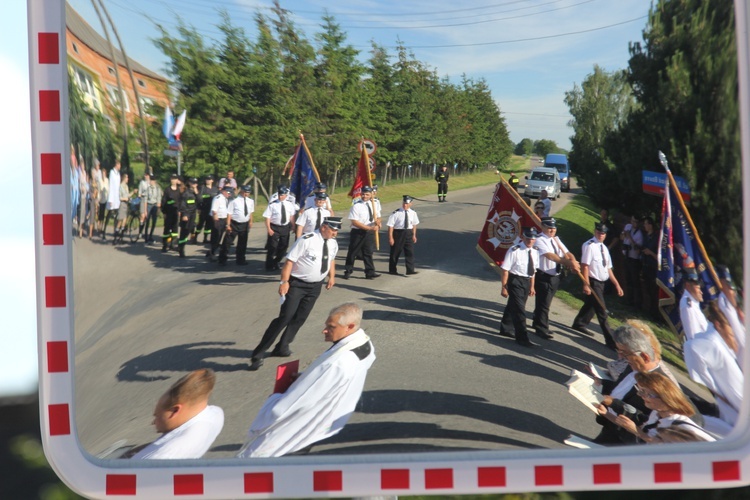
{"x": 320, "y": 402}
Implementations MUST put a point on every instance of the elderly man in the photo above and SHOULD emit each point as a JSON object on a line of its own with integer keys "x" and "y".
{"x": 692, "y": 318}
{"x": 365, "y": 219}
{"x": 596, "y": 267}
{"x": 518, "y": 271}
{"x": 553, "y": 255}
{"x": 189, "y": 425}
{"x": 309, "y": 262}
{"x": 319, "y": 403}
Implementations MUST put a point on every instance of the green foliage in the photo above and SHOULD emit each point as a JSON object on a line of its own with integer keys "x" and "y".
{"x": 90, "y": 134}
{"x": 683, "y": 79}
{"x": 525, "y": 147}
{"x": 543, "y": 147}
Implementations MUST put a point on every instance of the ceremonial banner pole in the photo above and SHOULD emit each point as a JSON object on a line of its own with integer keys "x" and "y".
{"x": 673, "y": 186}
{"x": 312, "y": 163}
{"x": 372, "y": 200}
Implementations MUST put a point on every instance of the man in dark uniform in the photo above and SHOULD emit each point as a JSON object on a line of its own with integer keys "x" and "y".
{"x": 518, "y": 271}
{"x": 365, "y": 219}
{"x": 596, "y": 267}
{"x": 402, "y": 235}
{"x": 187, "y": 207}
{"x": 310, "y": 260}
{"x": 442, "y": 180}
{"x": 553, "y": 255}
{"x": 514, "y": 181}
{"x": 240, "y": 221}
{"x": 207, "y": 194}
{"x": 279, "y": 217}
{"x": 170, "y": 208}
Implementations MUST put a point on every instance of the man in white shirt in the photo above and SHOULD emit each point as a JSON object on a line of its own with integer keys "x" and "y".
{"x": 319, "y": 403}
{"x": 312, "y": 217}
{"x": 188, "y": 424}
{"x": 365, "y": 219}
{"x": 544, "y": 199}
{"x": 279, "y": 217}
{"x": 553, "y": 255}
{"x": 309, "y": 262}
{"x": 692, "y": 318}
{"x": 311, "y": 200}
{"x": 518, "y": 269}
{"x": 240, "y": 221}
{"x": 402, "y": 235}
{"x": 219, "y": 212}
{"x": 596, "y": 267}
{"x": 113, "y": 198}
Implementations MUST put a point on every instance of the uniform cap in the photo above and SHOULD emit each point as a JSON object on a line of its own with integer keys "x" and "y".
{"x": 283, "y": 189}
{"x": 408, "y": 199}
{"x": 723, "y": 273}
{"x": 321, "y": 196}
{"x": 321, "y": 185}
{"x": 690, "y": 274}
{"x": 549, "y": 222}
{"x": 367, "y": 189}
{"x": 247, "y": 189}
{"x": 374, "y": 187}
{"x": 193, "y": 180}
{"x": 210, "y": 176}
{"x": 228, "y": 188}
{"x": 529, "y": 233}
{"x": 174, "y": 176}
{"x": 332, "y": 222}
{"x": 601, "y": 227}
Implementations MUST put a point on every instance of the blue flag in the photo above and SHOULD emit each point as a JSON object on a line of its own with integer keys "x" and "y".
{"x": 679, "y": 249}
{"x": 303, "y": 177}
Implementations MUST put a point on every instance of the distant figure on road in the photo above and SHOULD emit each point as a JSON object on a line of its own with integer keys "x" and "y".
{"x": 442, "y": 179}
{"x": 319, "y": 403}
{"x": 189, "y": 425}
{"x": 514, "y": 181}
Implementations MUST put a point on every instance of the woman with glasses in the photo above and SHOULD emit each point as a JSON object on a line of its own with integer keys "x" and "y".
{"x": 669, "y": 409}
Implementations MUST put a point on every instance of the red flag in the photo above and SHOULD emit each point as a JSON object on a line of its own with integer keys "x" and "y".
{"x": 363, "y": 175}
{"x": 507, "y": 215}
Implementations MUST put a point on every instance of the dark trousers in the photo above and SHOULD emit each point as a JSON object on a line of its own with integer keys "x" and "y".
{"x": 170, "y": 225}
{"x": 545, "y": 286}
{"x": 402, "y": 241}
{"x": 276, "y": 246}
{"x": 514, "y": 317}
{"x": 241, "y": 230}
{"x": 218, "y": 228}
{"x": 152, "y": 213}
{"x": 633, "y": 280}
{"x": 186, "y": 229}
{"x": 299, "y": 302}
{"x": 204, "y": 221}
{"x": 442, "y": 188}
{"x": 113, "y": 215}
{"x": 591, "y": 306}
{"x": 361, "y": 244}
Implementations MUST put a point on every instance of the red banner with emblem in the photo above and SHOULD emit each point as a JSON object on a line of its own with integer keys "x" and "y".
{"x": 507, "y": 215}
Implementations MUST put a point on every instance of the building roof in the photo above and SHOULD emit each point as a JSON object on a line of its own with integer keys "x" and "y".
{"x": 89, "y": 36}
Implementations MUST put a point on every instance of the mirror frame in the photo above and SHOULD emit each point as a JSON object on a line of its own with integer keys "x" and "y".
{"x": 716, "y": 465}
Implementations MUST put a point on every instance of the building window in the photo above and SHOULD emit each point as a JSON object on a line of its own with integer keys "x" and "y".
{"x": 141, "y": 83}
{"x": 86, "y": 84}
{"x": 147, "y": 105}
{"x": 111, "y": 70}
{"x": 114, "y": 97}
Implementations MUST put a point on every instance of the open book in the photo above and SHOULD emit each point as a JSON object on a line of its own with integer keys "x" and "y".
{"x": 581, "y": 386}
{"x": 579, "y": 442}
{"x": 600, "y": 372}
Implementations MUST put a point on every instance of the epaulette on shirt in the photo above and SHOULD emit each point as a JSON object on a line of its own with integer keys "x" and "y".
{"x": 688, "y": 302}
{"x": 308, "y": 235}
{"x": 359, "y": 201}
{"x": 589, "y": 242}
{"x": 276, "y": 201}
{"x": 515, "y": 247}
{"x": 395, "y": 211}
{"x": 362, "y": 351}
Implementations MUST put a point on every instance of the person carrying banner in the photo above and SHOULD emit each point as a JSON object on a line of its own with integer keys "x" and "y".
{"x": 442, "y": 179}
{"x": 365, "y": 223}
{"x": 692, "y": 318}
{"x": 309, "y": 262}
{"x": 402, "y": 235}
{"x": 596, "y": 268}
{"x": 553, "y": 255}
{"x": 518, "y": 270}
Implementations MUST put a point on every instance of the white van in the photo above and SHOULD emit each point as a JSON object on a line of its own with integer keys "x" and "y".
{"x": 543, "y": 178}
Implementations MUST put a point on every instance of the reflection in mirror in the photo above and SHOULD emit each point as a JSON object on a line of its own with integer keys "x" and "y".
{"x": 646, "y": 245}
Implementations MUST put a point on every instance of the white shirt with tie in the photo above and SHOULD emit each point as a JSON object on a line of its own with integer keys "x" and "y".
{"x": 596, "y": 255}
{"x": 309, "y": 218}
{"x": 362, "y": 212}
{"x": 237, "y": 208}
{"x": 544, "y": 244}
{"x": 219, "y": 206}
{"x": 396, "y": 219}
{"x": 517, "y": 260}
{"x": 274, "y": 212}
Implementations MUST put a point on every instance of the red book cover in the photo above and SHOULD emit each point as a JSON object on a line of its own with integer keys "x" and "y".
{"x": 285, "y": 374}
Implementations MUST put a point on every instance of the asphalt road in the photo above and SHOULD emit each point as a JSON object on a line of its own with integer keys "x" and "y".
{"x": 443, "y": 378}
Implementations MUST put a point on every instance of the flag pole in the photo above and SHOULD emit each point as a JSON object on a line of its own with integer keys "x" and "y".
{"x": 369, "y": 183}
{"x": 673, "y": 186}
{"x": 312, "y": 163}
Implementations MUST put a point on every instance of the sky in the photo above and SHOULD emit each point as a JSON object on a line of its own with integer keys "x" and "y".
{"x": 530, "y": 52}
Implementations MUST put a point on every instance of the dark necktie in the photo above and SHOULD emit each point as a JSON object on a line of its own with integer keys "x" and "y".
{"x": 530, "y": 265}
{"x": 557, "y": 264}
{"x": 604, "y": 258}
{"x": 317, "y": 222}
{"x": 406, "y": 219}
{"x": 324, "y": 260}
{"x": 283, "y": 214}
{"x": 245, "y": 202}
{"x": 369, "y": 211}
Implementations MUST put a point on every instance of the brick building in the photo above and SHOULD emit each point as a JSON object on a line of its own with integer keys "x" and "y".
{"x": 90, "y": 63}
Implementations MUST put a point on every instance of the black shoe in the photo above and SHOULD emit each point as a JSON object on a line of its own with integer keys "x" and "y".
{"x": 545, "y": 335}
{"x": 242, "y": 263}
{"x": 255, "y": 364}
{"x": 224, "y": 263}
{"x": 164, "y": 250}
{"x": 503, "y": 333}
{"x": 526, "y": 343}
{"x": 347, "y": 274}
{"x": 395, "y": 273}
{"x": 410, "y": 273}
{"x": 281, "y": 354}
{"x": 373, "y": 276}
{"x": 583, "y": 330}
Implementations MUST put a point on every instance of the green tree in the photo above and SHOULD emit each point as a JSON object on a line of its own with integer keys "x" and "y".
{"x": 543, "y": 147}
{"x": 525, "y": 147}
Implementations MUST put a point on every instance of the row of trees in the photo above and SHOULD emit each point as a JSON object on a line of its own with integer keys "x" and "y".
{"x": 247, "y": 101}
{"x": 679, "y": 95}
{"x": 542, "y": 147}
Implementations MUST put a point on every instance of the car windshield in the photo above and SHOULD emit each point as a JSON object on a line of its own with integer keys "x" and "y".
{"x": 559, "y": 166}
{"x": 542, "y": 176}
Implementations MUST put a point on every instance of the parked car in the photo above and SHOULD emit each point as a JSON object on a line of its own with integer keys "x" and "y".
{"x": 543, "y": 178}
{"x": 560, "y": 162}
